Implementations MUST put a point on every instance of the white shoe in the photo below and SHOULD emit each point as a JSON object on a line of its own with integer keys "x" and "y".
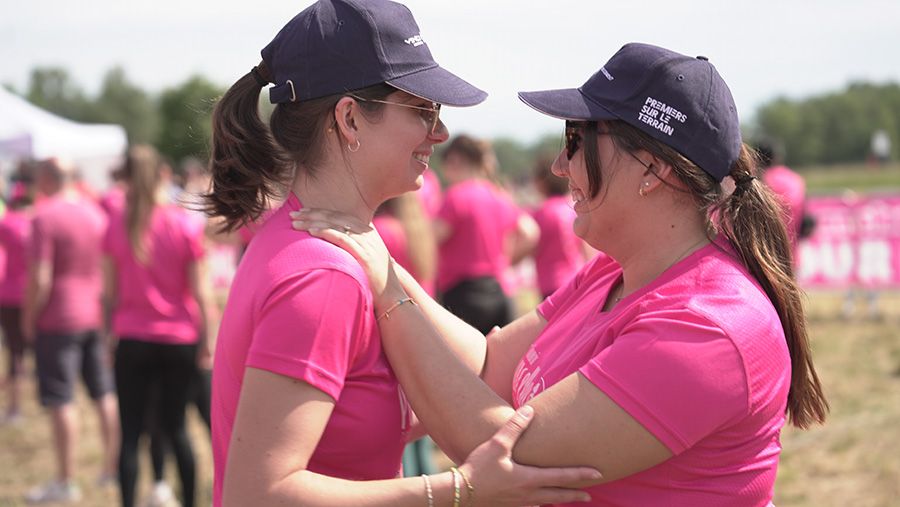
{"x": 54, "y": 491}
{"x": 161, "y": 496}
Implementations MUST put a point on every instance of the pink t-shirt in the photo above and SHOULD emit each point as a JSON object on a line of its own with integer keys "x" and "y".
{"x": 391, "y": 231}
{"x": 67, "y": 232}
{"x": 791, "y": 190}
{"x": 481, "y": 218}
{"x": 698, "y": 357}
{"x": 301, "y": 307}
{"x": 15, "y": 229}
{"x": 113, "y": 201}
{"x": 154, "y": 302}
{"x": 558, "y": 255}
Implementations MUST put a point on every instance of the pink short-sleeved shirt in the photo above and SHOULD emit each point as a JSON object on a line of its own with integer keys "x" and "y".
{"x": 154, "y": 302}
{"x": 698, "y": 357}
{"x": 301, "y": 307}
{"x": 558, "y": 255}
{"x": 791, "y": 191}
{"x": 15, "y": 229}
{"x": 67, "y": 232}
{"x": 481, "y": 218}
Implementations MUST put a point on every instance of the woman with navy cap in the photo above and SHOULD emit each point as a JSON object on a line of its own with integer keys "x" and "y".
{"x": 671, "y": 365}
{"x": 306, "y": 409}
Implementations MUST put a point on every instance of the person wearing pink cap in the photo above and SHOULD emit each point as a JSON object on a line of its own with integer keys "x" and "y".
{"x": 154, "y": 280}
{"x": 672, "y": 363}
{"x": 306, "y": 409}
{"x": 15, "y": 230}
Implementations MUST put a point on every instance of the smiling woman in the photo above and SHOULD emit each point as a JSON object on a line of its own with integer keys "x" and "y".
{"x": 306, "y": 409}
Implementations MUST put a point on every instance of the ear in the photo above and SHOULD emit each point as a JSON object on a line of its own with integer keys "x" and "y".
{"x": 346, "y": 115}
{"x": 659, "y": 171}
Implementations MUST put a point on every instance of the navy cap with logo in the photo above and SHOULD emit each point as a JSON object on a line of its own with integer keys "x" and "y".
{"x": 676, "y": 99}
{"x": 336, "y": 46}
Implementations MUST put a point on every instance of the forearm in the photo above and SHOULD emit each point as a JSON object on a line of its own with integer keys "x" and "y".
{"x": 309, "y": 489}
{"x": 458, "y": 409}
{"x": 465, "y": 341}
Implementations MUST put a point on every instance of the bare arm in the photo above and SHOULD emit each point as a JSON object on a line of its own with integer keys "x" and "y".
{"x": 524, "y": 238}
{"x": 279, "y": 422}
{"x": 199, "y": 284}
{"x": 37, "y": 292}
{"x": 580, "y": 425}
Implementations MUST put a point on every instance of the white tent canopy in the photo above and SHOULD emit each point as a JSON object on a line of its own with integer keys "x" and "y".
{"x": 29, "y": 132}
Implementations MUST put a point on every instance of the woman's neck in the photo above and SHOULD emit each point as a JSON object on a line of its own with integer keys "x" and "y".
{"x": 333, "y": 188}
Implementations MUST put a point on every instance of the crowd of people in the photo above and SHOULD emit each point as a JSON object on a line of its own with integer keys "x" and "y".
{"x": 667, "y": 352}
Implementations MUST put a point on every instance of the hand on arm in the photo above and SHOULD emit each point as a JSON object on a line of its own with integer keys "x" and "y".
{"x": 280, "y": 420}
{"x": 579, "y": 424}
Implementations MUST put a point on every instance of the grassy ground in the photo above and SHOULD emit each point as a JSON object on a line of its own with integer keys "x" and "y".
{"x": 858, "y": 177}
{"x": 853, "y": 460}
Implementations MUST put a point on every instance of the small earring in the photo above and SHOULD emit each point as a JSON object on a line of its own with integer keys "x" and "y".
{"x": 642, "y": 190}
{"x": 353, "y": 150}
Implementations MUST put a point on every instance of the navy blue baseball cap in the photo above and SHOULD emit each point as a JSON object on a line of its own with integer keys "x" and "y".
{"x": 676, "y": 99}
{"x": 336, "y": 46}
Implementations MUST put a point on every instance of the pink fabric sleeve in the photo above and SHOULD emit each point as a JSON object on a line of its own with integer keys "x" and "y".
{"x": 676, "y": 373}
{"x": 554, "y": 301}
{"x": 310, "y": 328}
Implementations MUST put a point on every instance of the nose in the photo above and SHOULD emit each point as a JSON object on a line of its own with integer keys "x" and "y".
{"x": 441, "y": 133}
{"x": 560, "y": 165}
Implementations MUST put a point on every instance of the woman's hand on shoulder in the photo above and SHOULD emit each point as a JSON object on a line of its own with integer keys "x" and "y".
{"x": 360, "y": 239}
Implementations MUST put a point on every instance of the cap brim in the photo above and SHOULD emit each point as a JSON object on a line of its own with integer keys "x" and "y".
{"x": 566, "y": 104}
{"x": 439, "y": 85}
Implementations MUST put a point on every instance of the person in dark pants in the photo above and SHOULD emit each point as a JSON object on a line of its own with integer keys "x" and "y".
{"x": 480, "y": 232}
{"x": 153, "y": 271}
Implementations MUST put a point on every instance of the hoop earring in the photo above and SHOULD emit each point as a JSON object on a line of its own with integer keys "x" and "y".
{"x": 642, "y": 189}
{"x": 352, "y": 150}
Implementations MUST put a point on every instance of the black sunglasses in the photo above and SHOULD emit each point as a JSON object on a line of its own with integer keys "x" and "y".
{"x": 573, "y": 137}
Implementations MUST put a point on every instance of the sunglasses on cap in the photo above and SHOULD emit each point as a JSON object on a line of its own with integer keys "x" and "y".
{"x": 431, "y": 115}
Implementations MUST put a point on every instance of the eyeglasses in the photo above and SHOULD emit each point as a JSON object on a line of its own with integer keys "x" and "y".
{"x": 431, "y": 115}
{"x": 573, "y": 137}
{"x": 573, "y": 140}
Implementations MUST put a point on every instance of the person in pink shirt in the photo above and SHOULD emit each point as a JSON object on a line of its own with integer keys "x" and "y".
{"x": 789, "y": 186}
{"x": 670, "y": 364}
{"x": 559, "y": 253}
{"x": 154, "y": 287}
{"x": 306, "y": 409}
{"x": 15, "y": 229}
{"x": 61, "y": 314}
{"x": 480, "y": 232}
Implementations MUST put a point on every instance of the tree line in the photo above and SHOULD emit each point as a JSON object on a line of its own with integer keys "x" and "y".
{"x": 826, "y": 129}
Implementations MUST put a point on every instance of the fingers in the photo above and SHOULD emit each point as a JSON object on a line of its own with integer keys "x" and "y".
{"x": 570, "y": 477}
{"x": 555, "y": 496}
{"x": 514, "y": 427}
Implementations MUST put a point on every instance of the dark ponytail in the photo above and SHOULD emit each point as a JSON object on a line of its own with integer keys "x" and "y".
{"x": 248, "y": 167}
{"x": 750, "y": 217}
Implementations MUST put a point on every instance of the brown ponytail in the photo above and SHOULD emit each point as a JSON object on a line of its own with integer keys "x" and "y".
{"x": 252, "y": 164}
{"x": 142, "y": 172}
{"x": 750, "y": 217}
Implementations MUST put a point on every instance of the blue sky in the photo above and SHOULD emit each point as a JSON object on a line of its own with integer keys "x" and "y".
{"x": 764, "y": 48}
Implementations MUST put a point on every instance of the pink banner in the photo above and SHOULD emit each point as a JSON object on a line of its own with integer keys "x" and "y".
{"x": 856, "y": 242}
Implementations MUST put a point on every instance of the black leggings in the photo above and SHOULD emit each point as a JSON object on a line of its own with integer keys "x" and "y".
{"x": 479, "y": 301}
{"x": 139, "y": 367}
{"x": 200, "y": 396}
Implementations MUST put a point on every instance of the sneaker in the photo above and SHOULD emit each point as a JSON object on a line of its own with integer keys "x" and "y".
{"x": 12, "y": 419}
{"x": 161, "y": 496}
{"x": 54, "y": 491}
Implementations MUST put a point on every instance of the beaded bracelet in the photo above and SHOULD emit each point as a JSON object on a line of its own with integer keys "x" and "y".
{"x": 387, "y": 313}
{"x": 429, "y": 494}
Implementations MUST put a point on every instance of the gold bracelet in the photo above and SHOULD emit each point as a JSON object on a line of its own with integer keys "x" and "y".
{"x": 470, "y": 490}
{"x": 429, "y": 494}
{"x": 387, "y": 313}
{"x": 456, "y": 495}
